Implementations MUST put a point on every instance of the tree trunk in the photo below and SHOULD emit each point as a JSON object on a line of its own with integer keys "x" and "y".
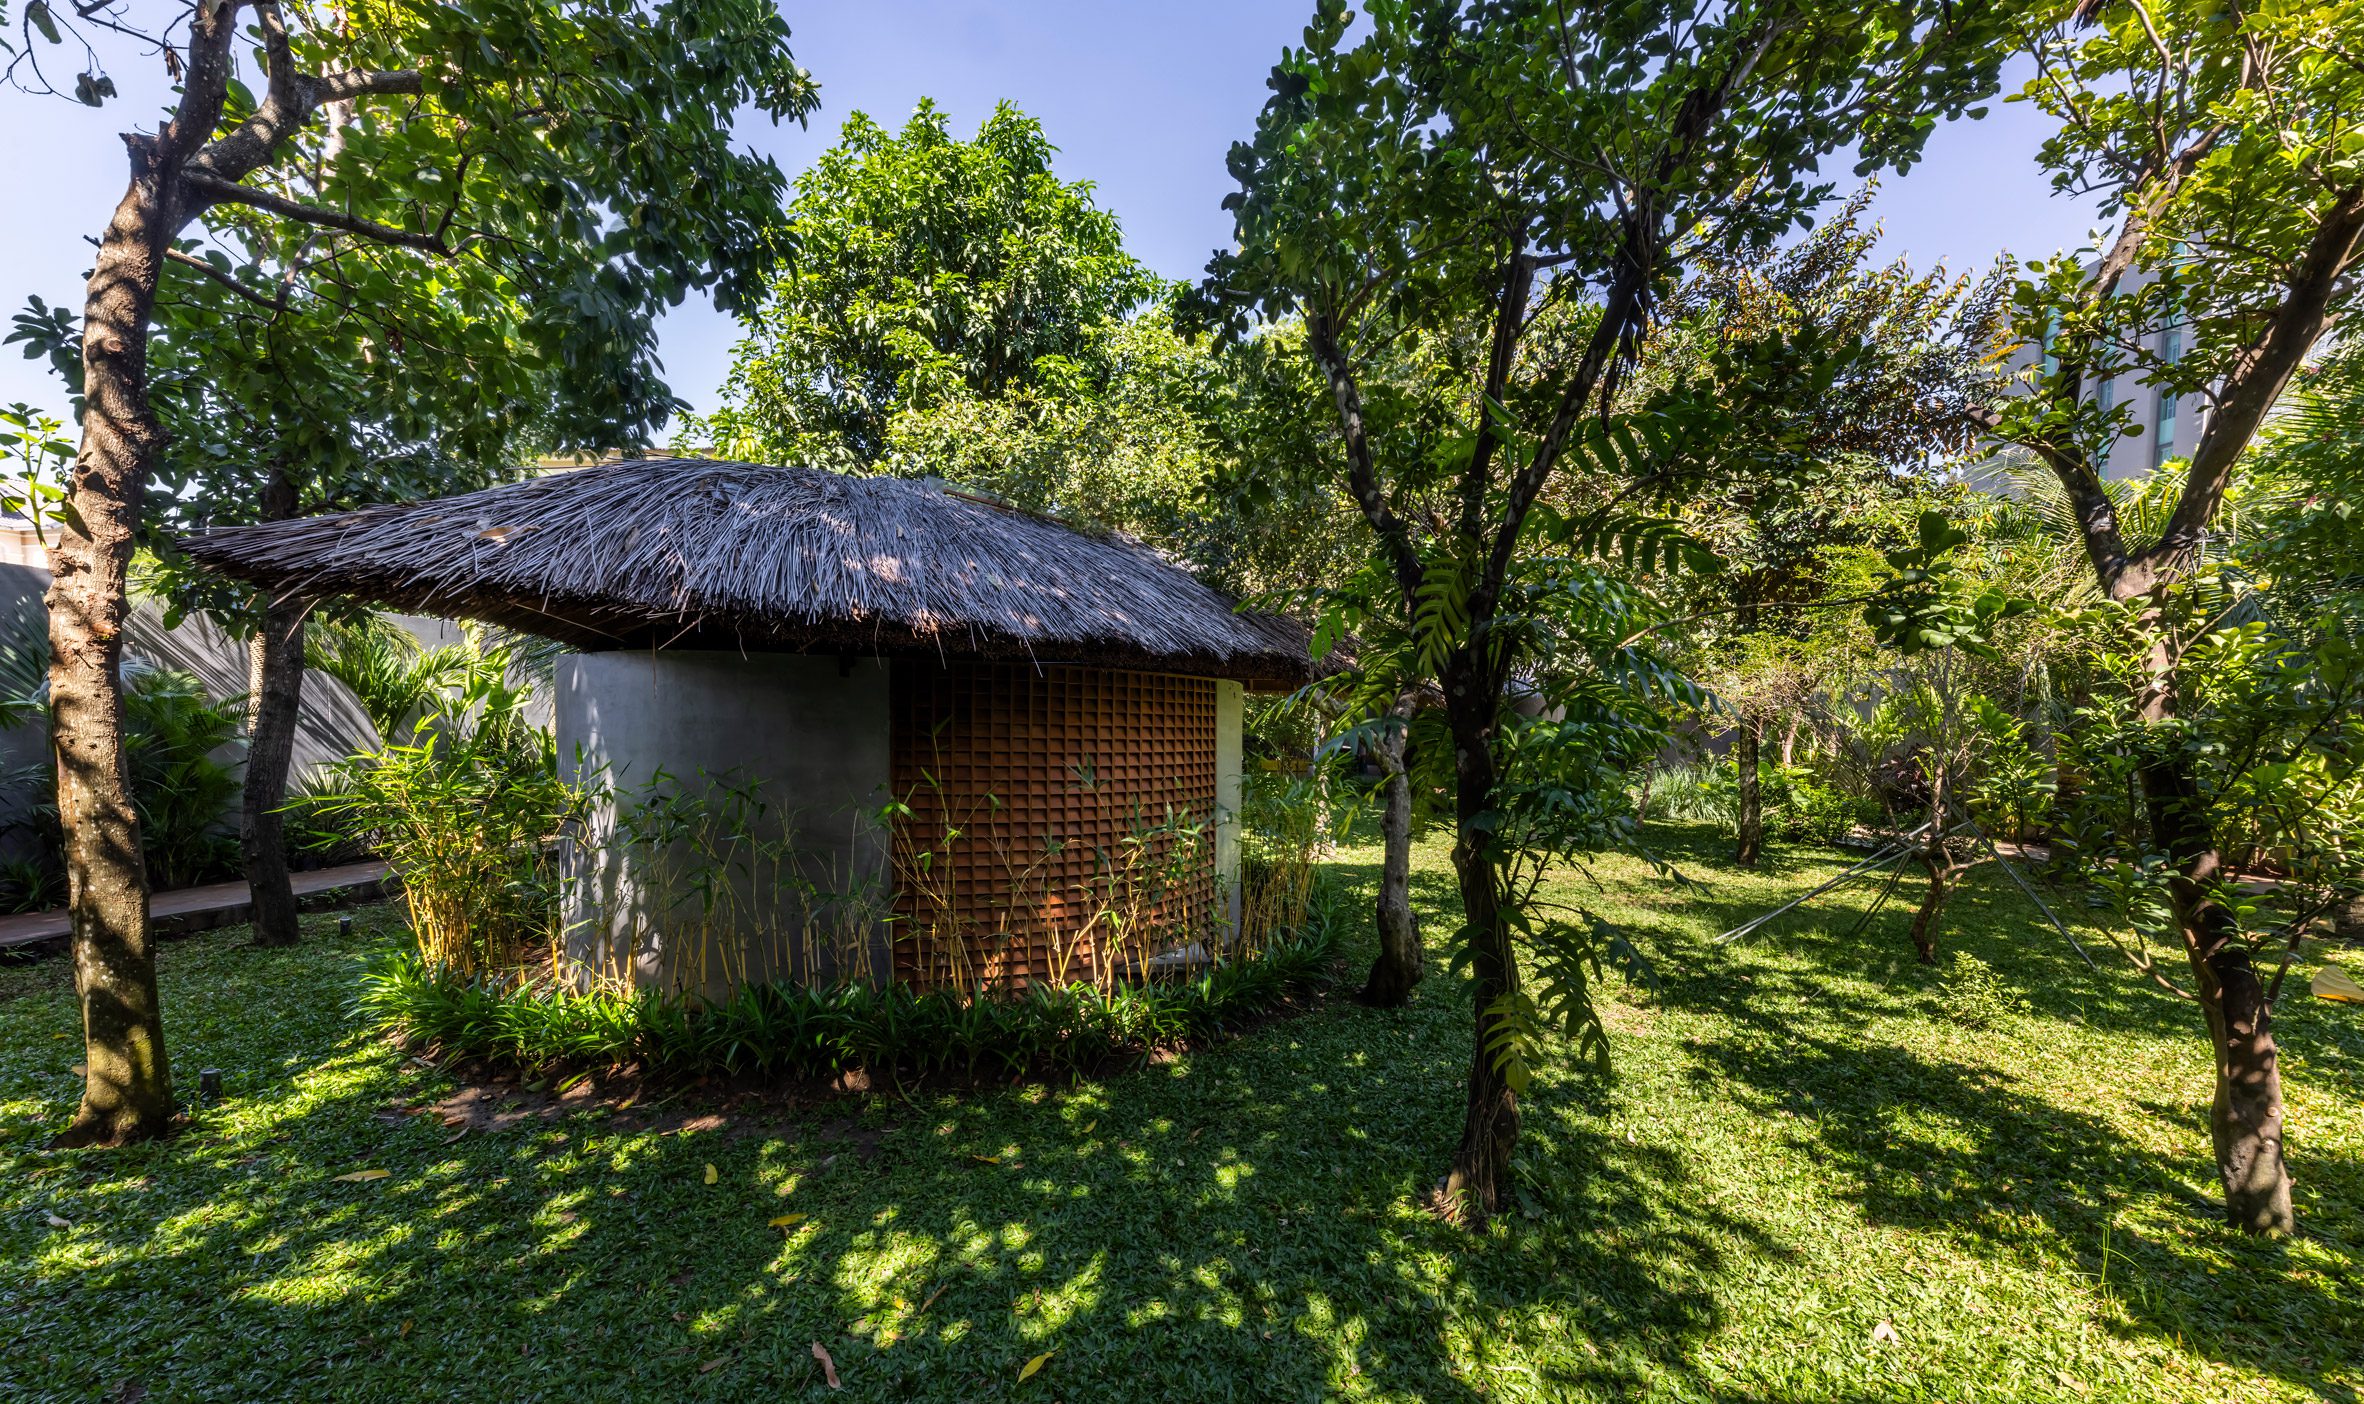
{"x": 275, "y": 658}
{"x": 1932, "y": 905}
{"x": 1940, "y": 864}
{"x": 127, "y": 1087}
{"x": 1789, "y": 740}
{"x": 1747, "y": 742}
{"x": 1480, "y": 1175}
{"x": 1397, "y": 968}
{"x": 2245, "y": 1122}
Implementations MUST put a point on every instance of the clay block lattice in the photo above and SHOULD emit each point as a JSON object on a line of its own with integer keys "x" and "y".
{"x": 1060, "y": 819}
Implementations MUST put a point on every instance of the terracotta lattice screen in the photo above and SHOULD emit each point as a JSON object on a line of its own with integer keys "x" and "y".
{"x": 1060, "y": 824}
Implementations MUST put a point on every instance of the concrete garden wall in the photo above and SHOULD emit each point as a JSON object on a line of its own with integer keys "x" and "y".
{"x": 798, "y": 892}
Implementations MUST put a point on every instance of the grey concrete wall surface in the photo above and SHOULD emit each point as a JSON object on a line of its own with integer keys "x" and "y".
{"x": 1230, "y": 751}
{"x": 662, "y": 888}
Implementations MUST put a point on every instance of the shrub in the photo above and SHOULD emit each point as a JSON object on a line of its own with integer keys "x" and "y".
{"x": 1974, "y": 996}
{"x": 1815, "y": 813}
{"x": 465, "y": 812}
{"x": 777, "y": 1030}
{"x": 171, "y": 733}
{"x": 1695, "y": 792}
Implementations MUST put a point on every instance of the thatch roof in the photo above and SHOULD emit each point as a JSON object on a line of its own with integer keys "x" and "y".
{"x": 689, "y": 553}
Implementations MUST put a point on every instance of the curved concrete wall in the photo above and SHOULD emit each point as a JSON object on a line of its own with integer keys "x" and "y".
{"x": 672, "y": 899}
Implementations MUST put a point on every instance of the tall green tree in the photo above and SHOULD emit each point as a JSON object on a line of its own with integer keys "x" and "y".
{"x": 1864, "y": 381}
{"x": 539, "y": 146}
{"x": 1519, "y": 177}
{"x": 923, "y": 269}
{"x": 2225, "y": 141}
{"x": 278, "y": 397}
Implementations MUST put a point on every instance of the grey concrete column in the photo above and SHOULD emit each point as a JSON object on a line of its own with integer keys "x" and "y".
{"x": 1230, "y": 752}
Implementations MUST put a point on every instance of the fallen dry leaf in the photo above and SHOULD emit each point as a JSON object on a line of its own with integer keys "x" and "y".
{"x": 56, "y": 1222}
{"x": 988, "y": 1159}
{"x": 715, "y": 1364}
{"x": 711, "y": 1175}
{"x": 1029, "y": 1369}
{"x": 362, "y": 1176}
{"x": 785, "y": 1220}
{"x": 828, "y": 1366}
{"x": 1087, "y": 1126}
{"x": 1884, "y": 1333}
{"x": 403, "y": 1332}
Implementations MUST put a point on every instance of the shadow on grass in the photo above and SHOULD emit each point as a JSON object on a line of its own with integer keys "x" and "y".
{"x": 1240, "y": 1224}
{"x": 1933, "y": 1144}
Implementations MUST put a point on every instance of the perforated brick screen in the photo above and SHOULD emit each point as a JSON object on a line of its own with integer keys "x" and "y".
{"x": 1032, "y": 791}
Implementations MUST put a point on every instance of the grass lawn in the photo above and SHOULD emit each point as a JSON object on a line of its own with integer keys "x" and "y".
{"x": 1800, "y": 1149}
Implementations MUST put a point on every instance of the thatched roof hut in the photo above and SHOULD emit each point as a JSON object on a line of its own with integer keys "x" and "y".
{"x": 681, "y": 553}
{"x": 1053, "y": 718}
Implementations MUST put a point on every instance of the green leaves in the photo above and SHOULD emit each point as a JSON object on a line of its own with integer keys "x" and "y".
{"x": 922, "y": 269}
{"x": 1928, "y": 605}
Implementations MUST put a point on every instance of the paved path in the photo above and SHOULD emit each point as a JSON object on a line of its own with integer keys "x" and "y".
{"x": 222, "y": 904}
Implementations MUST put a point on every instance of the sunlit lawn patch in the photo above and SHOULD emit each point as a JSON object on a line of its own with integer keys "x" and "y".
{"x": 1801, "y": 1147}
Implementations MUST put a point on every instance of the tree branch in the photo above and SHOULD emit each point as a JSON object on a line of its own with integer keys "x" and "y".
{"x": 219, "y": 191}
{"x": 188, "y": 260}
{"x": 2253, "y": 387}
{"x": 1510, "y": 318}
{"x": 1362, "y": 474}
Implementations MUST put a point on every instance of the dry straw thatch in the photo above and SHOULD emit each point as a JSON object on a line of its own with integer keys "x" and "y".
{"x": 692, "y": 553}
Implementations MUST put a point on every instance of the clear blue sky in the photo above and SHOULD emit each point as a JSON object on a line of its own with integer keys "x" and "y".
{"x": 1142, "y": 99}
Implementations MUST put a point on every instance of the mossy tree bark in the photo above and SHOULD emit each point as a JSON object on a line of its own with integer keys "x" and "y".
{"x": 1397, "y": 969}
{"x": 1479, "y": 1179}
{"x": 127, "y": 1087}
{"x": 1747, "y": 746}
{"x": 275, "y": 694}
{"x": 175, "y": 175}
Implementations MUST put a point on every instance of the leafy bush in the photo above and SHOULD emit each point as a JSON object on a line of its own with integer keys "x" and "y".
{"x": 319, "y": 831}
{"x": 1811, "y": 812}
{"x": 1798, "y": 807}
{"x": 465, "y": 813}
{"x": 777, "y": 1030}
{"x": 171, "y": 732}
{"x": 30, "y": 883}
{"x": 1695, "y": 792}
{"x": 1974, "y": 996}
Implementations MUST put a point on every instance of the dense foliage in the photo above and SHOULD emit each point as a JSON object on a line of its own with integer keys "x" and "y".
{"x": 885, "y": 1031}
{"x": 923, "y": 269}
{"x": 1513, "y": 187}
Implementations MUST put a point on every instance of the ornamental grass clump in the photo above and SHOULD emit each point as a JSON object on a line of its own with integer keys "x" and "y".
{"x": 466, "y": 811}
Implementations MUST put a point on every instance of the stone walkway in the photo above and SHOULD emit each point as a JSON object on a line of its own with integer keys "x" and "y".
{"x": 222, "y": 904}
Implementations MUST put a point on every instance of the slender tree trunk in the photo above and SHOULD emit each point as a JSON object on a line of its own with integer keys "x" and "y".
{"x": 275, "y": 658}
{"x": 1932, "y": 907}
{"x": 1748, "y": 741}
{"x": 2245, "y": 1121}
{"x": 1747, "y": 744}
{"x": 1397, "y": 968}
{"x": 1789, "y": 740}
{"x": 1940, "y": 864}
{"x": 127, "y": 1089}
{"x": 1480, "y": 1174}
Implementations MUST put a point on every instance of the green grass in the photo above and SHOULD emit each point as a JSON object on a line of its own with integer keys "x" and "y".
{"x": 1799, "y": 1146}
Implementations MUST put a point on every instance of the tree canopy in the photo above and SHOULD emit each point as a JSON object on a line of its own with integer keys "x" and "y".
{"x": 921, "y": 268}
